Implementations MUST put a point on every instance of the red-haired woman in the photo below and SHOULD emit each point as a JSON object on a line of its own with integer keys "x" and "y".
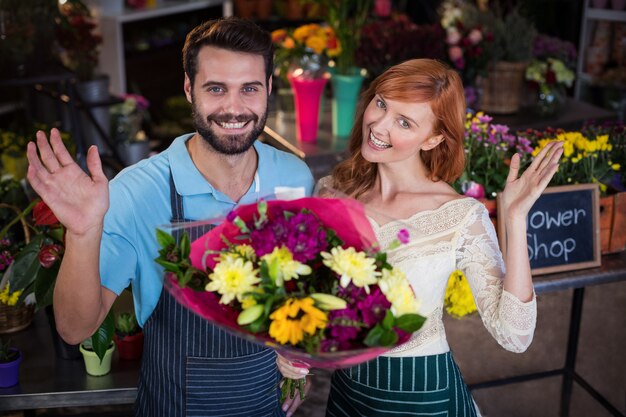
{"x": 405, "y": 150}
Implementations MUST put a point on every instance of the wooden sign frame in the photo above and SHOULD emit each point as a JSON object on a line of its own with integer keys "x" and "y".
{"x": 595, "y": 205}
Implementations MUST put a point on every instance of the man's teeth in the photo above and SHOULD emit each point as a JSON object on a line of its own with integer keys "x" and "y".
{"x": 379, "y": 143}
{"x": 237, "y": 125}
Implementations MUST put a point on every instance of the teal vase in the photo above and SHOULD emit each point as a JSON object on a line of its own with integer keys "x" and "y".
{"x": 345, "y": 97}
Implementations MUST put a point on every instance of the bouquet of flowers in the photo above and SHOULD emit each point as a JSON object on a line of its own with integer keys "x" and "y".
{"x": 304, "y": 47}
{"x": 488, "y": 150}
{"x": 586, "y": 158}
{"x": 305, "y": 277}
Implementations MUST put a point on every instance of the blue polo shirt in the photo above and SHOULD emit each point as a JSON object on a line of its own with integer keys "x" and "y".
{"x": 140, "y": 203}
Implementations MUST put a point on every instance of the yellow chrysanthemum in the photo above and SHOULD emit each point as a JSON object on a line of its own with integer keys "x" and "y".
{"x": 398, "y": 291}
{"x": 295, "y": 318}
{"x": 459, "y": 300}
{"x": 352, "y": 266}
{"x": 283, "y": 267}
{"x": 232, "y": 278}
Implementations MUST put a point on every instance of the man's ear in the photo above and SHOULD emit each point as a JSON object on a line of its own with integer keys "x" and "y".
{"x": 187, "y": 87}
{"x": 432, "y": 142}
{"x": 269, "y": 85}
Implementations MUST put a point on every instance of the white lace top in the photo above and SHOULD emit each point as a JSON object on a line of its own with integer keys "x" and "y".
{"x": 457, "y": 235}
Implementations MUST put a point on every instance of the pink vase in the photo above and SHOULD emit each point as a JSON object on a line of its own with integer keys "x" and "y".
{"x": 307, "y": 94}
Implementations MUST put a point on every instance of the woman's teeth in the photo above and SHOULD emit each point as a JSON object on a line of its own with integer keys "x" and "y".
{"x": 378, "y": 143}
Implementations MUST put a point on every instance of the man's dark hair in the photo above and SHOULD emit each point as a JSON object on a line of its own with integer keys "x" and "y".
{"x": 229, "y": 33}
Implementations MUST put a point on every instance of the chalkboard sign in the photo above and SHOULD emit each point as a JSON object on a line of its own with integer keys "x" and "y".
{"x": 563, "y": 230}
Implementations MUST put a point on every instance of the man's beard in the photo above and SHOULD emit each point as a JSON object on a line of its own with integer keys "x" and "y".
{"x": 224, "y": 143}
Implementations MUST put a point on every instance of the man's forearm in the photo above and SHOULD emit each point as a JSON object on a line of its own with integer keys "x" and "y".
{"x": 78, "y": 302}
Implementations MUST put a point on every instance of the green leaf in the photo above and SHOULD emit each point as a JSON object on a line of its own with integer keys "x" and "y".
{"x": 164, "y": 238}
{"x": 373, "y": 336}
{"x": 102, "y": 338}
{"x": 26, "y": 265}
{"x": 388, "y": 338}
{"x": 44, "y": 285}
{"x": 169, "y": 266}
{"x": 388, "y": 321}
{"x": 185, "y": 246}
{"x": 410, "y": 322}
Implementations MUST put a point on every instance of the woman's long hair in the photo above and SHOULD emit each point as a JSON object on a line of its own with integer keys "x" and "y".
{"x": 417, "y": 80}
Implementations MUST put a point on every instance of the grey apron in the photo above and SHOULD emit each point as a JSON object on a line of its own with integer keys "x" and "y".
{"x": 192, "y": 368}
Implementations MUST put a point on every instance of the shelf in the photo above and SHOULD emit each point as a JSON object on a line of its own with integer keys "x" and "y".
{"x": 163, "y": 8}
{"x": 606, "y": 14}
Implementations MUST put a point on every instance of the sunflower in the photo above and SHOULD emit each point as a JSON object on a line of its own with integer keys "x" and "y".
{"x": 295, "y": 318}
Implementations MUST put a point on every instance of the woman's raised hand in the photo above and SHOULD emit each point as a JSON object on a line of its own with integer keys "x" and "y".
{"x": 521, "y": 193}
{"x": 78, "y": 200}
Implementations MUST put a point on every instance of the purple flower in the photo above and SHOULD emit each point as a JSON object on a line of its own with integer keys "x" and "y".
{"x": 231, "y": 216}
{"x": 373, "y": 307}
{"x": 305, "y": 237}
{"x": 485, "y": 119}
{"x": 403, "y": 236}
{"x": 344, "y": 324}
{"x": 352, "y": 294}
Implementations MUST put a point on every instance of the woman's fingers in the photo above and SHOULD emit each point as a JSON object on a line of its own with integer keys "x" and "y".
{"x": 545, "y": 156}
{"x": 289, "y": 369}
{"x": 513, "y": 168}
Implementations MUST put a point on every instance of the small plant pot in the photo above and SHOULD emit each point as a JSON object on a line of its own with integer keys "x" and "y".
{"x": 10, "y": 371}
{"x": 129, "y": 347}
{"x": 92, "y": 362}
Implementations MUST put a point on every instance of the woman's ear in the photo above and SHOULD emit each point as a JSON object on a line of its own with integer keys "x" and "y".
{"x": 432, "y": 142}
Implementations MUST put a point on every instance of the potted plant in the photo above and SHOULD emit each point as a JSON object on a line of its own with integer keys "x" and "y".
{"x": 79, "y": 41}
{"x": 128, "y": 336}
{"x": 509, "y": 37}
{"x": 10, "y": 359}
{"x": 98, "y": 350}
{"x": 346, "y": 18}
{"x": 127, "y": 119}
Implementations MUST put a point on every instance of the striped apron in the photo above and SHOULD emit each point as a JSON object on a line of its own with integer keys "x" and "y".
{"x": 192, "y": 368}
{"x": 405, "y": 386}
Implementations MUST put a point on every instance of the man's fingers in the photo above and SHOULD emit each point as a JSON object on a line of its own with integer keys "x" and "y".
{"x": 59, "y": 148}
{"x": 94, "y": 164}
{"x": 48, "y": 157}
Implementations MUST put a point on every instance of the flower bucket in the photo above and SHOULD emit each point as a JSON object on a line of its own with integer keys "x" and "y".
{"x": 613, "y": 223}
{"x": 93, "y": 366}
{"x": 345, "y": 98}
{"x": 129, "y": 347}
{"x": 501, "y": 92}
{"x": 10, "y": 371}
{"x": 307, "y": 96}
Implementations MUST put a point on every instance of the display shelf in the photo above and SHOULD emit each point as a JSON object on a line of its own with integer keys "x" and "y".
{"x": 114, "y": 26}
{"x": 590, "y": 17}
